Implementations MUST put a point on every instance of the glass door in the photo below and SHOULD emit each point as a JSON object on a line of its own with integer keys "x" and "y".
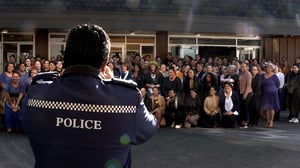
{"x": 24, "y": 51}
{"x": 16, "y": 52}
{"x": 9, "y": 50}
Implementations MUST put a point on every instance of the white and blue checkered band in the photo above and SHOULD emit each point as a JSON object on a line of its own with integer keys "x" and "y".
{"x": 96, "y": 108}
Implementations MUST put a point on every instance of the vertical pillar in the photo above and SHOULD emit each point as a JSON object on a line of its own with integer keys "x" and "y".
{"x": 41, "y": 43}
{"x": 162, "y": 44}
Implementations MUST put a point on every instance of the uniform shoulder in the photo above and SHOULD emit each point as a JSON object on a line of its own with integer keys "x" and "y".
{"x": 126, "y": 83}
{"x": 45, "y": 78}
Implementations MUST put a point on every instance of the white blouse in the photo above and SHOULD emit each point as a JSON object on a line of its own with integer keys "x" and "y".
{"x": 228, "y": 102}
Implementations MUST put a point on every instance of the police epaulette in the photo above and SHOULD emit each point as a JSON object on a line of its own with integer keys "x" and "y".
{"x": 129, "y": 83}
{"x": 45, "y": 78}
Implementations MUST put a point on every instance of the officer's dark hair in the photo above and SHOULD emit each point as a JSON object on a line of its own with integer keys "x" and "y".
{"x": 87, "y": 44}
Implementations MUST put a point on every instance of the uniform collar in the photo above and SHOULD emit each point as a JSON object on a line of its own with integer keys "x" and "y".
{"x": 81, "y": 69}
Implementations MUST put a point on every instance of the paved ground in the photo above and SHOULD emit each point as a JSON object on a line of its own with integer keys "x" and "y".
{"x": 258, "y": 147}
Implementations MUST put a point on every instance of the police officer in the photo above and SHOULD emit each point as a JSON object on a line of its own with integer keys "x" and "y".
{"x": 83, "y": 119}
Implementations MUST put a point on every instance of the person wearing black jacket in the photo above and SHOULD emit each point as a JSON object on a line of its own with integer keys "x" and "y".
{"x": 230, "y": 106}
{"x": 255, "y": 100}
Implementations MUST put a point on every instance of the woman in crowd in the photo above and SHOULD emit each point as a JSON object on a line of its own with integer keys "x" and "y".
{"x": 146, "y": 99}
{"x": 212, "y": 108}
{"x": 192, "y": 109}
{"x": 14, "y": 93}
{"x": 158, "y": 106}
{"x": 191, "y": 82}
{"x": 229, "y": 105}
{"x": 154, "y": 78}
{"x": 23, "y": 73}
{"x": 269, "y": 99}
{"x": 172, "y": 82}
{"x": 46, "y": 66}
{"x": 174, "y": 110}
{"x": 208, "y": 82}
{"x": 255, "y": 100}
{"x": 28, "y": 64}
{"x": 126, "y": 74}
{"x": 38, "y": 66}
{"x": 59, "y": 67}
{"x": 137, "y": 75}
{"x": 5, "y": 77}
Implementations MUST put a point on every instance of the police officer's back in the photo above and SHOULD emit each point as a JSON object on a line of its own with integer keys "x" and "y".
{"x": 81, "y": 120}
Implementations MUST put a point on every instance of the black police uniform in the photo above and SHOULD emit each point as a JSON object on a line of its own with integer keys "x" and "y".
{"x": 83, "y": 121}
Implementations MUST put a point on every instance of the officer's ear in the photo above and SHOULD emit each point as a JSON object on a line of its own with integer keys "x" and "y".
{"x": 102, "y": 68}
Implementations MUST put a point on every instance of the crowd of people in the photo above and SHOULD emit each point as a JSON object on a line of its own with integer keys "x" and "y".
{"x": 14, "y": 84}
{"x": 213, "y": 92}
{"x": 182, "y": 92}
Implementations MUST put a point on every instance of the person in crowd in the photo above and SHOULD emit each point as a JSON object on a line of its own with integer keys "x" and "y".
{"x": 6, "y": 76}
{"x": 172, "y": 82}
{"x": 52, "y": 66}
{"x": 169, "y": 60}
{"x": 185, "y": 70}
{"x": 192, "y": 110}
{"x": 231, "y": 74}
{"x": 126, "y": 73}
{"x": 46, "y": 66}
{"x": 199, "y": 71}
{"x": 286, "y": 68}
{"x": 292, "y": 86}
{"x": 281, "y": 77}
{"x": 174, "y": 110}
{"x": 146, "y": 99}
{"x": 12, "y": 60}
{"x": 158, "y": 106}
{"x": 23, "y": 73}
{"x": 154, "y": 78}
{"x": 13, "y": 93}
{"x": 137, "y": 75}
{"x": 208, "y": 82}
{"x": 177, "y": 69}
{"x": 254, "y": 107}
{"x": 229, "y": 104}
{"x": 28, "y": 64}
{"x": 212, "y": 108}
{"x": 28, "y": 81}
{"x": 269, "y": 99}
{"x": 81, "y": 119}
{"x": 245, "y": 91}
{"x": 59, "y": 58}
{"x": 191, "y": 82}
{"x": 59, "y": 67}
{"x": 163, "y": 70}
{"x": 38, "y": 66}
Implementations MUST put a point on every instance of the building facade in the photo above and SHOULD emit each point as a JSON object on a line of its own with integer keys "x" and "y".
{"x": 235, "y": 28}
